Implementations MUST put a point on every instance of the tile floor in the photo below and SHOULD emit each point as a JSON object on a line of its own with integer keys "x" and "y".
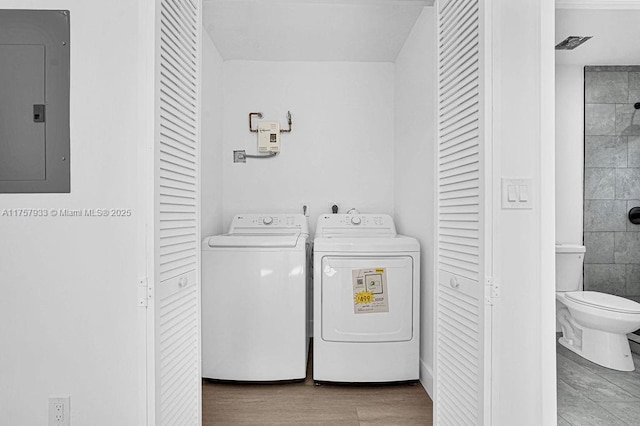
{"x": 589, "y": 394}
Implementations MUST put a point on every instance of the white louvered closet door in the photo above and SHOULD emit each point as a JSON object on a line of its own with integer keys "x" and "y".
{"x": 462, "y": 317}
{"x": 177, "y": 228}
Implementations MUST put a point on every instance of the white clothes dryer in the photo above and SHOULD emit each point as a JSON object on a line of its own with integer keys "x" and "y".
{"x": 254, "y": 299}
{"x": 366, "y": 300}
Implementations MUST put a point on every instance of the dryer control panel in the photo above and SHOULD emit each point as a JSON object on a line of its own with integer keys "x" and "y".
{"x": 338, "y": 225}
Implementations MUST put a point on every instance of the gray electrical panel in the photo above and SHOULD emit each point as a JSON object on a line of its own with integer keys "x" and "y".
{"x": 34, "y": 101}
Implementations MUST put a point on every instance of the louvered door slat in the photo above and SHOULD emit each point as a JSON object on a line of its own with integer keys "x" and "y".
{"x": 462, "y": 39}
{"x": 456, "y": 188}
{"x": 460, "y": 248}
{"x": 465, "y": 120}
{"x": 451, "y": 16}
{"x": 459, "y": 317}
{"x": 451, "y": 164}
{"x": 178, "y": 390}
{"x": 451, "y": 262}
{"x": 176, "y": 64}
{"x": 173, "y": 75}
{"x": 461, "y": 57}
{"x": 460, "y": 240}
{"x": 459, "y": 38}
{"x": 465, "y": 368}
{"x": 455, "y": 154}
{"x": 459, "y": 397}
{"x": 460, "y": 173}
{"x": 177, "y": 150}
{"x": 178, "y": 125}
{"x": 458, "y": 76}
{"x": 186, "y": 230}
{"x": 179, "y": 17}
{"x": 459, "y": 106}
{"x": 449, "y": 45}
{"x": 467, "y": 172}
{"x": 459, "y": 94}
{"x": 458, "y": 142}
{"x": 464, "y": 394}
{"x": 458, "y": 233}
{"x": 179, "y": 242}
{"x": 181, "y": 115}
{"x": 181, "y": 163}
{"x": 170, "y": 93}
{"x": 177, "y": 42}
{"x": 184, "y": 136}
{"x": 170, "y": 136}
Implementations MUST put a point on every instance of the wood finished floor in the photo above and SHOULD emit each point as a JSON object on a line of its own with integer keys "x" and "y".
{"x": 304, "y": 403}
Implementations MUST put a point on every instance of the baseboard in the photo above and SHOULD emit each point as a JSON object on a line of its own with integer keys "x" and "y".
{"x": 426, "y": 378}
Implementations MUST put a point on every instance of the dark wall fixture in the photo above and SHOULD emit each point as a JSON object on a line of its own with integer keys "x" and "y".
{"x": 634, "y": 215}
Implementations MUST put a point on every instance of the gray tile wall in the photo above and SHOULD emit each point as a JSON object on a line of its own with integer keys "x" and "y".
{"x": 612, "y": 180}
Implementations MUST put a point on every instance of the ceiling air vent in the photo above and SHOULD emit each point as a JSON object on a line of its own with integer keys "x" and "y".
{"x": 571, "y": 42}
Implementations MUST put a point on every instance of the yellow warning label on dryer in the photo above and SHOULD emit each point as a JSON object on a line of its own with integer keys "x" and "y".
{"x": 364, "y": 297}
{"x": 370, "y": 290}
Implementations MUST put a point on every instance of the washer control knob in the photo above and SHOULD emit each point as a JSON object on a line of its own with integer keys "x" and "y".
{"x": 356, "y": 220}
{"x": 267, "y": 220}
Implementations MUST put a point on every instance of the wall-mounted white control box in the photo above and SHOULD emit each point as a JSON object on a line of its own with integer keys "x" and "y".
{"x": 517, "y": 193}
{"x": 268, "y": 136}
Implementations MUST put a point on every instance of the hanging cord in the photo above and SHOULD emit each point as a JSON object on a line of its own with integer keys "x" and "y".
{"x": 273, "y": 154}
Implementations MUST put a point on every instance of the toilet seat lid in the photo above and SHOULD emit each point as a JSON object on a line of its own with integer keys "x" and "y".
{"x": 605, "y": 301}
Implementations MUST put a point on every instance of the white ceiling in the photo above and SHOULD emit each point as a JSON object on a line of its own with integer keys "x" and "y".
{"x": 616, "y": 36}
{"x": 311, "y": 30}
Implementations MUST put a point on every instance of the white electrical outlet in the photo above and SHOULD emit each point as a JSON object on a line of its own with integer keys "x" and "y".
{"x": 59, "y": 414}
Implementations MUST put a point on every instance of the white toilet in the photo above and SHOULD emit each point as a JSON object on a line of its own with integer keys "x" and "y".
{"x": 594, "y": 325}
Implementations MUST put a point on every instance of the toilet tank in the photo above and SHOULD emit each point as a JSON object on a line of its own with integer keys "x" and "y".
{"x": 569, "y": 259}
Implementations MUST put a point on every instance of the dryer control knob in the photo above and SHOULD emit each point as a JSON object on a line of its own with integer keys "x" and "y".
{"x": 356, "y": 220}
{"x": 267, "y": 220}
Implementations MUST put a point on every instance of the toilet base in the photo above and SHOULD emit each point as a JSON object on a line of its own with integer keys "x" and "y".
{"x": 606, "y": 349}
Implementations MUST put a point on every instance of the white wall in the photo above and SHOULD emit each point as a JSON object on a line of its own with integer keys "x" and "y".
{"x": 569, "y": 153}
{"x": 212, "y": 124}
{"x": 341, "y": 146}
{"x": 68, "y": 310}
{"x": 414, "y": 153}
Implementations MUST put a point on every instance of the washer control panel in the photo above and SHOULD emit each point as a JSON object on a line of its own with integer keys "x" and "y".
{"x": 269, "y": 223}
{"x": 355, "y": 224}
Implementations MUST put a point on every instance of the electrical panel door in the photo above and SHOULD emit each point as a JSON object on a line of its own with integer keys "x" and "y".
{"x": 34, "y": 101}
{"x": 22, "y": 138}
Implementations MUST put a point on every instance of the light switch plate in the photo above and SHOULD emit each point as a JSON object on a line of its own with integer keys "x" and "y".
{"x": 517, "y": 193}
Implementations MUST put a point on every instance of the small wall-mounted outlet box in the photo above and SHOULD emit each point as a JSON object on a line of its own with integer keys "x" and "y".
{"x": 59, "y": 414}
{"x": 339, "y": 204}
{"x": 239, "y": 156}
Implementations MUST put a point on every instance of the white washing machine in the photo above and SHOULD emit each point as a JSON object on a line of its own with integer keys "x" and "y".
{"x": 254, "y": 299}
{"x": 366, "y": 300}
